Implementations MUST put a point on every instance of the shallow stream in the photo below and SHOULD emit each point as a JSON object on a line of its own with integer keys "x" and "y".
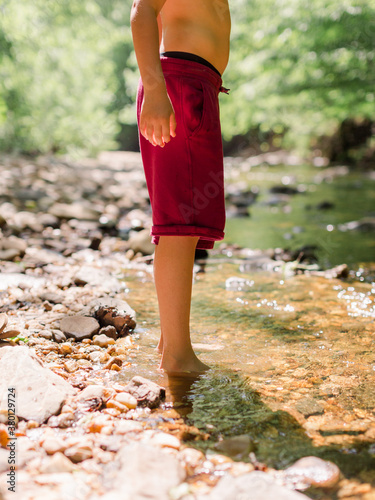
{"x": 292, "y": 359}
{"x": 292, "y": 355}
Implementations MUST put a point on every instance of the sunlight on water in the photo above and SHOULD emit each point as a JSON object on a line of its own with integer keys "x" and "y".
{"x": 359, "y": 303}
{"x": 292, "y": 362}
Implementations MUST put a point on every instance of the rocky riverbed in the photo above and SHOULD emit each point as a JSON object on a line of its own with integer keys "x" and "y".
{"x": 71, "y": 232}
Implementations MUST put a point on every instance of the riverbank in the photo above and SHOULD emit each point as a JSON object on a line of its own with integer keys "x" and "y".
{"x": 76, "y": 288}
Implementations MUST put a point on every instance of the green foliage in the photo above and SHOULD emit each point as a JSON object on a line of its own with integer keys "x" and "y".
{"x": 56, "y": 79}
{"x": 299, "y": 65}
{"x": 68, "y": 74}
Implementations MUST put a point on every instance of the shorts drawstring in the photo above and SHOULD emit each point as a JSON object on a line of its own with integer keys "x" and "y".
{"x": 224, "y": 90}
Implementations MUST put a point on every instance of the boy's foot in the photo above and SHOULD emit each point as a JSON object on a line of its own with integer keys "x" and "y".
{"x": 171, "y": 365}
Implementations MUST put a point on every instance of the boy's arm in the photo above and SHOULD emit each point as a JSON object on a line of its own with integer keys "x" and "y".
{"x": 157, "y": 120}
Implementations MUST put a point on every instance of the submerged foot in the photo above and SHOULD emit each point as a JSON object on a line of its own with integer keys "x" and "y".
{"x": 188, "y": 365}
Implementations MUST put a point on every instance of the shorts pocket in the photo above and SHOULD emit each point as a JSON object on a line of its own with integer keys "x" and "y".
{"x": 192, "y": 104}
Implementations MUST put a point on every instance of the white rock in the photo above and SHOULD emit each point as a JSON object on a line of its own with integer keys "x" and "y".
{"x": 57, "y": 463}
{"x": 40, "y": 392}
{"x": 126, "y": 399}
{"x": 252, "y": 486}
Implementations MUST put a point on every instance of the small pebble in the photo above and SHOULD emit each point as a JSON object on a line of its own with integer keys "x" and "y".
{"x": 102, "y": 340}
{"x": 126, "y": 399}
{"x": 66, "y": 348}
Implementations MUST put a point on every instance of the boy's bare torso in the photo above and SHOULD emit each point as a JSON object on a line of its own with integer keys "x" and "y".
{"x": 201, "y": 27}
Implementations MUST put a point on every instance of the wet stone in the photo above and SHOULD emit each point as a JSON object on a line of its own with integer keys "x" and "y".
{"x": 145, "y": 391}
{"x": 108, "y": 316}
{"x": 308, "y": 407}
{"x": 314, "y": 471}
{"x": 251, "y": 486}
{"x": 126, "y": 399}
{"x": 102, "y": 340}
{"x": 236, "y": 447}
{"x": 109, "y": 331}
{"x": 79, "y": 327}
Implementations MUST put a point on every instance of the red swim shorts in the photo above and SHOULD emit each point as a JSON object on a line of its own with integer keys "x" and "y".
{"x": 185, "y": 179}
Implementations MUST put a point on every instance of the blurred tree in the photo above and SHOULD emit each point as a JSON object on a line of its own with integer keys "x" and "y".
{"x": 300, "y": 66}
{"x": 68, "y": 73}
{"x": 56, "y": 79}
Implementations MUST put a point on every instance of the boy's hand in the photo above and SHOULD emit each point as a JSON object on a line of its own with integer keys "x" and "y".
{"x": 157, "y": 120}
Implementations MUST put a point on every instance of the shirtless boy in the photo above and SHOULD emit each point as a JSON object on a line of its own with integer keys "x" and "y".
{"x": 182, "y": 49}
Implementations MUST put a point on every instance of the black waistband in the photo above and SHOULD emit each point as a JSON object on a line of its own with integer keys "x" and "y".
{"x": 190, "y": 57}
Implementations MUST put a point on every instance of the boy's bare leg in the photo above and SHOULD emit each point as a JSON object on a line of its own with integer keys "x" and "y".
{"x": 173, "y": 274}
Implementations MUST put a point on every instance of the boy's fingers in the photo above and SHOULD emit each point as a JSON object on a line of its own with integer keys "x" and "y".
{"x": 166, "y": 133}
{"x": 158, "y": 135}
{"x": 150, "y": 134}
{"x": 172, "y": 125}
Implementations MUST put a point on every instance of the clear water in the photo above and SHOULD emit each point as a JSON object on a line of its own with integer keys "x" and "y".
{"x": 292, "y": 360}
{"x": 298, "y": 221}
{"x": 292, "y": 357}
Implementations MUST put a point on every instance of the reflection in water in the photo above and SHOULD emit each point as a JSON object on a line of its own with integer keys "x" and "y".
{"x": 177, "y": 391}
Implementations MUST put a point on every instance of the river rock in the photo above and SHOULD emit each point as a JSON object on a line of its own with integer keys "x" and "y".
{"x": 112, "y": 312}
{"x": 74, "y": 211}
{"x": 237, "y": 447}
{"x": 25, "y": 220}
{"x": 4, "y": 457}
{"x": 93, "y": 391}
{"x": 314, "y": 471}
{"x": 102, "y": 340}
{"x": 141, "y": 242}
{"x": 125, "y": 426}
{"x": 79, "y": 453}
{"x": 62, "y": 421}
{"x": 309, "y": 406}
{"x": 13, "y": 243}
{"x": 109, "y": 331}
{"x": 58, "y": 335}
{"x": 252, "y": 486}
{"x": 53, "y": 298}
{"x": 367, "y": 224}
{"x": 9, "y": 254}
{"x": 79, "y": 327}
{"x": 145, "y": 391}
{"x": 97, "y": 278}
{"x": 40, "y": 393}
{"x": 127, "y": 400}
{"x": 53, "y": 444}
{"x": 121, "y": 306}
{"x": 150, "y": 473}
{"x": 166, "y": 440}
{"x": 56, "y": 464}
{"x": 17, "y": 279}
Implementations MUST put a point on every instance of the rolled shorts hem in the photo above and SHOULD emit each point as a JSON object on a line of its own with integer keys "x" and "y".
{"x": 207, "y": 235}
